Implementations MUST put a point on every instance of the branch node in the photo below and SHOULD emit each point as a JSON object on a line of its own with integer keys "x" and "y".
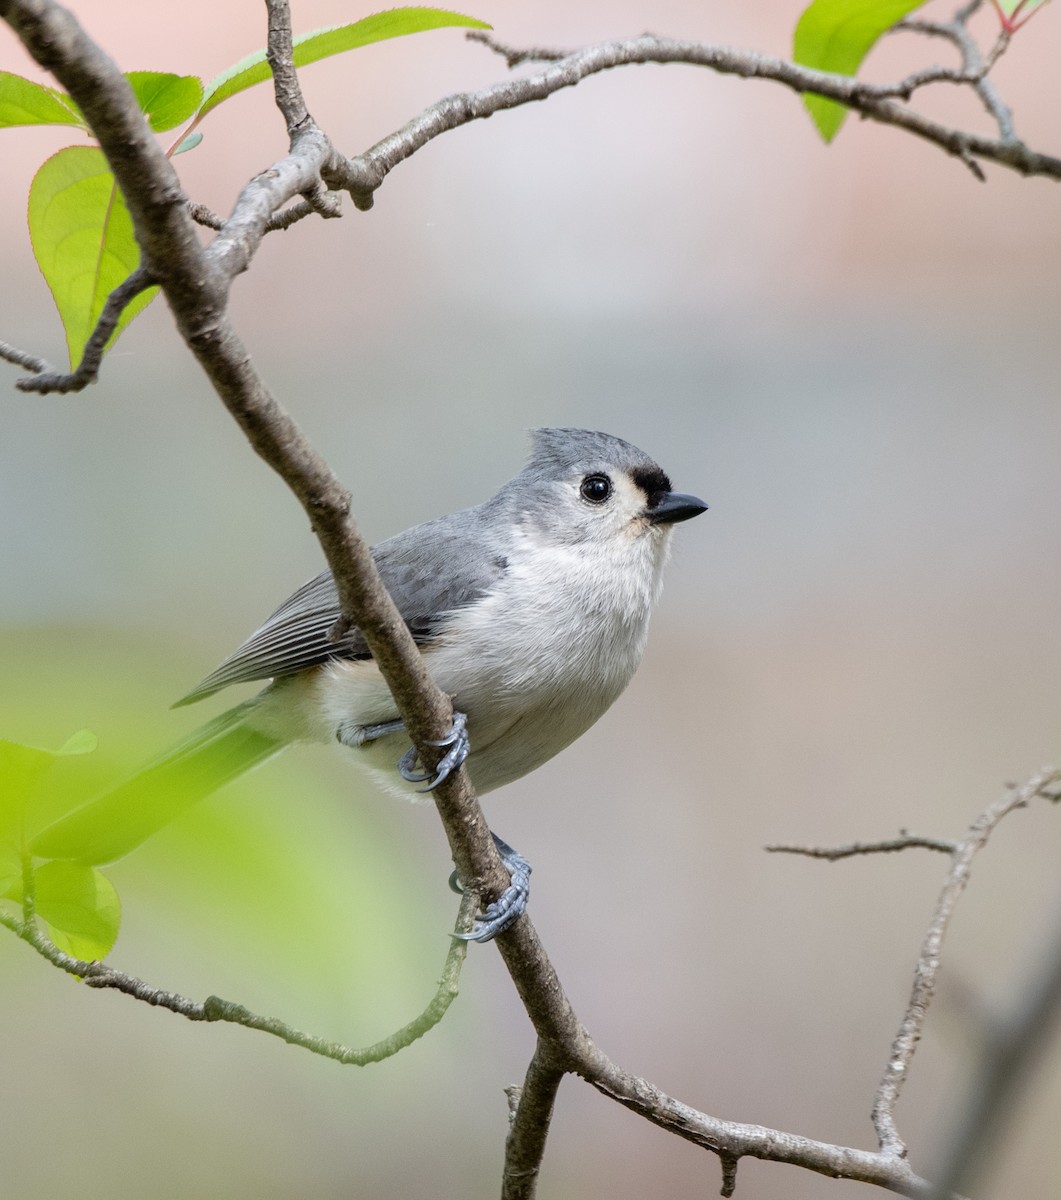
{"x": 728, "y": 1162}
{"x": 202, "y": 215}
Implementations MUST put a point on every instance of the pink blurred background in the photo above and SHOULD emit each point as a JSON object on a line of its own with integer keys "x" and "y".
{"x": 850, "y": 352}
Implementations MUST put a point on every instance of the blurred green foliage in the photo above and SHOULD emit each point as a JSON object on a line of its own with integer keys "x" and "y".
{"x": 282, "y": 874}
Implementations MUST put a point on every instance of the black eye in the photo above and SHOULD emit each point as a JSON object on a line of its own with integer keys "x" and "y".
{"x": 596, "y": 488}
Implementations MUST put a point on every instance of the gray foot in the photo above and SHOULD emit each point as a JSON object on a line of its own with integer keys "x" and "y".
{"x": 456, "y": 740}
{"x": 512, "y": 902}
{"x": 459, "y": 747}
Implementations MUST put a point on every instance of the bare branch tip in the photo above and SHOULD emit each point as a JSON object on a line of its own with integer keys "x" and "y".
{"x": 728, "y": 1163}
{"x": 512, "y": 56}
{"x": 31, "y": 362}
{"x": 202, "y": 215}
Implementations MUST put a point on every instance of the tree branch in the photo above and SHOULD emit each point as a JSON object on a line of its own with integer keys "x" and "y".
{"x": 529, "y": 1128}
{"x": 927, "y": 969}
{"x": 213, "y": 1008}
{"x": 279, "y": 53}
{"x": 314, "y": 170}
{"x": 196, "y": 282}
{"x": 363, "y": 175}
{"x": 565, "y": 1045}
{"x": 905, "y": 841}
{"x": 50, "y": 381}
{"x": 974, "y": 64}
{"x": 22, "y": 358}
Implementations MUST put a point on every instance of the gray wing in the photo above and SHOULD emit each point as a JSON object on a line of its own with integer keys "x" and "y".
{"x": 430, "y": 570}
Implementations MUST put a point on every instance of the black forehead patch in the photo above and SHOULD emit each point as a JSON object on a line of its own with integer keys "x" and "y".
{"x": 653, "y": 481}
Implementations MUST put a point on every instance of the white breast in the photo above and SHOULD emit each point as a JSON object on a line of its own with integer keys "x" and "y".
{"x": 545, "y": 655}
{"x": 533, "y": 665}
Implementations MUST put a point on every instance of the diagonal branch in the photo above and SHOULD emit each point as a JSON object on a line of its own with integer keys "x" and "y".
{"x": 566, "y": 1046}
{"x": 196, "y": 283}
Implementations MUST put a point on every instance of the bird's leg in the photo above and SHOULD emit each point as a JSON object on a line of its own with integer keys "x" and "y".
{"x": 512, "y": 902}
{"x": 509, "y": 905}
{"x": 357, "y": 735}
{"x": 456, "y": 740}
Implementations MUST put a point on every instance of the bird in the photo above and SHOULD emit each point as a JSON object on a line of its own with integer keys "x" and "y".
{"x": 531, "y": 611}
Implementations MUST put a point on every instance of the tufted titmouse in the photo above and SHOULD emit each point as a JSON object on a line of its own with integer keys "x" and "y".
{"x": 531, "y": 611}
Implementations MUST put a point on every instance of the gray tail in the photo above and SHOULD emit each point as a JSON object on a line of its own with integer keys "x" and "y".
{"x": 112, "y": 824}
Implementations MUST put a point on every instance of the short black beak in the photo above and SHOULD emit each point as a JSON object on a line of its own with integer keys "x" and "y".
{"x": 675, "y": 507}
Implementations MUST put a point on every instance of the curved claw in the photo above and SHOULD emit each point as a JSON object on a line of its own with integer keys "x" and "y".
{"x": 459, "y": 748}
{"x": 510, "y": 905}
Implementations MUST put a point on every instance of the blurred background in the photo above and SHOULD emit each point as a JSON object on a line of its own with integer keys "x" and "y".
{"x": 849, "y": 352}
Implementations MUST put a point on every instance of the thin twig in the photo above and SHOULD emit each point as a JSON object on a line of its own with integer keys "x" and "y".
{"x": 926, "y": 972}
{"x": 905, "y": 841}
{"x": 512, "y": 55}
{"x": 574, "y": 1051}
{"x": 283, "y": 219}
{"x": 213, "y": 1008}
{"x": 327, "y": 205}
{"x": 87, "y": 370}
{"x": 363, "y": 175}
{"x": 22, "y": 358}
{"x": 974, "y": 65}
{"x": 313, "y": 169}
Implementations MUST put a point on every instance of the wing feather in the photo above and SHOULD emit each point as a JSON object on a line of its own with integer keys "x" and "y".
{"x": 430, "y": 570}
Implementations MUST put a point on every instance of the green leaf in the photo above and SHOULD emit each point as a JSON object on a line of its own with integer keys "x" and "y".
{"x": 1027, "y": 7}
{"x": 110, "y": 825}
{"x": 84, "y": 741}
{"x": 188, "y": 143}
{"x": 165, "y": 99}
{"x": 322, "y": 43}
{"x": 836, "y": 35}
{"x": 83, "y": 241}
{"x": 80, "y": 906}
{"x": 21, "y": 770}
{"x": 23, "y": 102}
